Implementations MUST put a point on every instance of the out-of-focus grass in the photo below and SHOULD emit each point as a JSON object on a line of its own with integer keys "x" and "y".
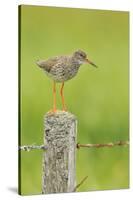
{"x": 98, "y": 97}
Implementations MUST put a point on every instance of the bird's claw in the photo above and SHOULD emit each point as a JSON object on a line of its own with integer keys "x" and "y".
{"x": 52, "y": 111}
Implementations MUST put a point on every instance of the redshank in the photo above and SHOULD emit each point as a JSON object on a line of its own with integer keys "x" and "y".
{"x": 63, "y": 68}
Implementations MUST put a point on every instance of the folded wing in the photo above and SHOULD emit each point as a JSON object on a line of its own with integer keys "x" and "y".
{"x": 47, "y": 64}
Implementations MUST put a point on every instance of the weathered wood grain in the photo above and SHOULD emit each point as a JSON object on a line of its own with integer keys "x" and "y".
{"x": 59, "y": 162}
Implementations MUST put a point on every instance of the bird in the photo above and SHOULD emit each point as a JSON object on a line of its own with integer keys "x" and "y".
{"x": 61, "y": 69}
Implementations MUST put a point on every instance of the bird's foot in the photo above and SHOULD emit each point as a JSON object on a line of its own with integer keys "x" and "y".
{"x": 64, "y": 108}
{"x": 52, "y": 111}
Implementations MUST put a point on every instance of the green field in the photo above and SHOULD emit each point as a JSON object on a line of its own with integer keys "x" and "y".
{"x": 98, "y": 97}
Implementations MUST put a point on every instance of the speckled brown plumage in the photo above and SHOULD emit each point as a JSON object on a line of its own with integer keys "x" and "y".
{"x": 63, "y": 68}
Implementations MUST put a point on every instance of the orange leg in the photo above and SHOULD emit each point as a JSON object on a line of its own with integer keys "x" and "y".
{"x": 62, "y": 97}
{"x": 54, "y": 97}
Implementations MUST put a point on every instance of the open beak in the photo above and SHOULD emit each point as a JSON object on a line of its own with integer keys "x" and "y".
{"x": 88, "y": 61}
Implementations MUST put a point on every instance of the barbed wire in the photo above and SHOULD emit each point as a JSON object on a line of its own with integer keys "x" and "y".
{"x": 111, "y": 144}
{"x": 44, "y": 147}
{"x": 31, "y": 147}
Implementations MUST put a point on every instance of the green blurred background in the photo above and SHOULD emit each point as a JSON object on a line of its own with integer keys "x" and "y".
{"x": 98, "y": 97}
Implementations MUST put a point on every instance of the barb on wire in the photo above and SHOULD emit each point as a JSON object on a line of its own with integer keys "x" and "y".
{"x": 31, "y": 147}
{"x": 111, "y": 144}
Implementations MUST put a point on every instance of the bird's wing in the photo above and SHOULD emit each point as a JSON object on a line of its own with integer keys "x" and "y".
{"x": 47, "y": 64}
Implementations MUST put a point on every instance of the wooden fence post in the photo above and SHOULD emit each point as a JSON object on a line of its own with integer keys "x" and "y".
{"x": 59, "y": 161}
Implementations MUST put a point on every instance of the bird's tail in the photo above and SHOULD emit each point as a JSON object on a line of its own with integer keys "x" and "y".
{"x": 39, "y": 63}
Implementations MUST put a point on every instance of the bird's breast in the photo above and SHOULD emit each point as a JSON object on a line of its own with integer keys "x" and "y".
{"x": 62, "y": 73}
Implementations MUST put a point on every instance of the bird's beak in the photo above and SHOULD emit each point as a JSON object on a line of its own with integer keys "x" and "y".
{"x": 88, "y": 61}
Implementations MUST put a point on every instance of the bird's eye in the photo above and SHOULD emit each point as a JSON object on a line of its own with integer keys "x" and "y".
{"x": 82, "y": 55}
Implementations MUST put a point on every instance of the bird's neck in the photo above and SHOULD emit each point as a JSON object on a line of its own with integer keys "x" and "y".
{"x": 75, "y": 61}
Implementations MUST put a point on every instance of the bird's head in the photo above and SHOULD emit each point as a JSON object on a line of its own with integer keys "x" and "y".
{"x": 81, "y": 57}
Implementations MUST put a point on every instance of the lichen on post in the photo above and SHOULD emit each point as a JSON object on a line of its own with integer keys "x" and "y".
{"x": 59, "y": 161}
